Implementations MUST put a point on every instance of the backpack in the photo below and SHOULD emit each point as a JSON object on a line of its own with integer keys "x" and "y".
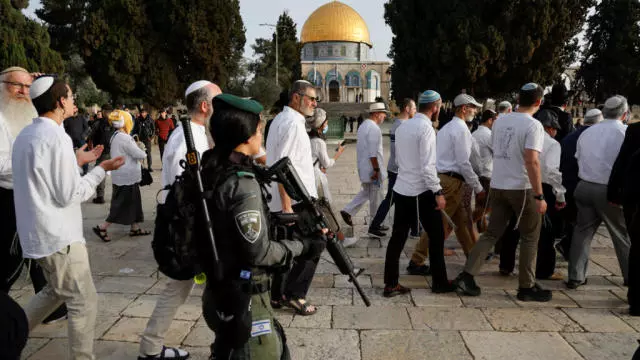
{"x": 146, "y": 128}
{"x": 174, "y": 244}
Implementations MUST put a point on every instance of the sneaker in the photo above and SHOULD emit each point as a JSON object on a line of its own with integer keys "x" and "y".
{"x": 446, "y": 288}
{"x": 467, "y": 284}
{"x": 376, "y": 233}
{"x": 415, "y": 269}
{"x": 346, "y": 217}
{"x": 59, "y": 315}
{"x": 536, "y": 293}
{"x": 395, "y": 291}
{"x": 574, "y": 284}
{"x": 98, "y": 200}
{"x": 350, "y": 241}
{"x": 167, "y": 353}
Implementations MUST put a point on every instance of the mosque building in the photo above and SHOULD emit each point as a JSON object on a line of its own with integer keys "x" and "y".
{"x": 336, "y": 56}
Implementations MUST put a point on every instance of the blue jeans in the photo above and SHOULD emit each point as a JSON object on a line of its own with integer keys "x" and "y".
{"x": 385, "y": 205}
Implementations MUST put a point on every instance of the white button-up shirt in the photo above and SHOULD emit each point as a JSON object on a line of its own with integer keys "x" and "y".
{"x": 597, "y": 150}
{"x": 416, "y": 157}
{"x": 6, "y": 143}
{"x": 454, "y": 152}
{"x": 122, "y": 144}
{"x": 550, "y": 166}
{"x": 288, "y": 137}
{"x": 49, "y": 189}
{"x": 369, "y": 146}
{"x": 484, "y": 158}
{"x": 176, "y": 150}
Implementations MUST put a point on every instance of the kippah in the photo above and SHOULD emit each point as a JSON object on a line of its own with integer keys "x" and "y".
{"x": 428, "y": 96}
{"x": 13, "y": 69}
{"x": 530, "y": 86}
{"x": 505, "y": 105}
{"x": 40, "y": 86}
{"x": 613, "y": 102}
{"x": 593, "y": 113}
{"x": 196, "y": 86}
{"x": 239, "y": 103}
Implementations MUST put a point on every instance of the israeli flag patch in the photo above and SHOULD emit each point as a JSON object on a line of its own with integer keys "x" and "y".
{"x": 260, "y": 327}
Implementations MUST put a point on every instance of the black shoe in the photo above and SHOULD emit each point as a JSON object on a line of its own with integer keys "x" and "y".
{"x": 346, "y": 217}
{"x": 59, "y": 315}
{"x": 415, "y": 269}
{"x": 376, "y": 233}
{"x": 98, "y": 200}
{"x": 395, "y": 291}
{"x": 441, "y": 289}
{"x": 574, "y": 284}
{"x": 536, "y": 293}
{"x": 383, "y": 228}
{"x": 467, "y": 284}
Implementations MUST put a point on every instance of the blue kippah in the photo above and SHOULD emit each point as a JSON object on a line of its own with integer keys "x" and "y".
{"x": 530, "y": 86}
{"x": 428, "y": 96}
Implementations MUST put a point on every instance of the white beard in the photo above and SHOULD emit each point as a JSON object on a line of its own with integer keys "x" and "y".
{"x": 17, "y": 113}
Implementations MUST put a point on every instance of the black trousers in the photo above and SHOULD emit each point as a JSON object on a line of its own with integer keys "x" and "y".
{"x": 147, "y": 145}
{"x": 431, "y": 221}
{"x": 546, "y": 259}
{"x": 569, "y": 215}
{"x": 161, "y": 145}
{"x": 632, "y": 220}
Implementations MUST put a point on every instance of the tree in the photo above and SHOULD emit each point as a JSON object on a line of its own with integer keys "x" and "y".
{"x": 487, "y": 47}
{"x": 611, "y": 60}
{"x": 289, "y": 47}
{"x": 23, "y": 42}
{"x": 264, "y": 90}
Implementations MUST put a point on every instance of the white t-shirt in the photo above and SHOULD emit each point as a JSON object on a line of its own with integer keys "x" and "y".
{"x": 369, "y": 146}
{"x": 510, "y": 136}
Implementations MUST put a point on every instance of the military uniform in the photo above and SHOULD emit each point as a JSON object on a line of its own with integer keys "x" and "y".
{"x": 237, "y": 308}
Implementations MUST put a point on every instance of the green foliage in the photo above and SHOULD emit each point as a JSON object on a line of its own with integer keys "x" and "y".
{"x": 289, "y": 68}
{"x": 25, "y": 43}
{"x": 611, "y": 61}
{"x": 150, "y": 49}
{"x": 264, "y": 90}
{"x": 487, "y": 47}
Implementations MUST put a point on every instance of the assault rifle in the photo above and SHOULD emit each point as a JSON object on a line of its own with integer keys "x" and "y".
{"x": 311, "y": 216}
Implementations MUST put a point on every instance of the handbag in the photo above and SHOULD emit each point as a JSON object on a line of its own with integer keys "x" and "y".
{"x": 146, "y": 179}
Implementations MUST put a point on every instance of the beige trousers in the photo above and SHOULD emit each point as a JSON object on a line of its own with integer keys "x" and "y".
{"x": 69, "y": 281}
{"x": 174, "y": 295}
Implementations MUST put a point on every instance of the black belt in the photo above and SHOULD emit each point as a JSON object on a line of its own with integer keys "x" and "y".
{"x": 454, "y": 175}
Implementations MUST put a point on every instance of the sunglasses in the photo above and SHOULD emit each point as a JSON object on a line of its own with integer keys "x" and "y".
{"x": 316, "y": 99}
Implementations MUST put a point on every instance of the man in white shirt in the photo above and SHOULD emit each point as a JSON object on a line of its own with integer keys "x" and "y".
{"x": 516, "y": 188}
{"x": 505, "y": 107}
{"x": 370, "y": 167}
{"x": 48, "y": 192}
{"x": 288, "y": 138}
{"x": 483, "y": 162}
{"x": 597, "y": 149}
{"x": 454, "y": 145}
{"x": 418, "y": 187}
{"x": 408, "y": 111}
{"x": 198, "y": 99}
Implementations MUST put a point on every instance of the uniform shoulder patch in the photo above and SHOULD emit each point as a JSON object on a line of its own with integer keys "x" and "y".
{"x": 249, "y": 224}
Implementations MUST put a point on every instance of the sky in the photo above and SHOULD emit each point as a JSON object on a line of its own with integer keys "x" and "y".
{"x": 256, "y": 12}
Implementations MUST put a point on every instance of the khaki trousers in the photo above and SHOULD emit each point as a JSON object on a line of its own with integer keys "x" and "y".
{"x": 69, "y": 281}
{"x": 504, "y": 205}
{"x": 453, "y": 190}
{"x": 174, "y": 295}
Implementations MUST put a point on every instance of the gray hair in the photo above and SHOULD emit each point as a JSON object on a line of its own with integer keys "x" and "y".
{"x": 592, "y": 117}
{"x": 196, "y": 98}
{"x": 615, "y": 107}
{"x": 504, "y": 106}
{"x": 298, "y": 87}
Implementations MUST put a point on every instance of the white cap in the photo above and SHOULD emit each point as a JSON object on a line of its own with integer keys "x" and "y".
{"x": 40, "y": 86}
{"x": 464, "y": 99}
{"x": 613, "y": 102}
{"x": 196, "y": 86}
{"x": 593, "y": 116}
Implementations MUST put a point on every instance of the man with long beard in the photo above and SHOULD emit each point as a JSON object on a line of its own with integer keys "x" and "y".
{"x": 16, "y": 112}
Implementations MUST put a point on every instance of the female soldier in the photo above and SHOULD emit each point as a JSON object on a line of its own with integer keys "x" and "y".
{"x": 237, "y": 308}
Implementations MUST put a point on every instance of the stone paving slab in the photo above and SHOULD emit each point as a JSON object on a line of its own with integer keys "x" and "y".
{"x": 413, "y": 345}
{"x": 522, "y": 345}
{"x": 597, "y": 299}
{"x": 321, "y": 319}
{"x": 374, "y": 317}
{"x": 431, "y": 318}
{"x": 598, "y": 320}
{"x": 491, "y": 298}
{"x": 598, "y": 346}
{"x": 129, "y": 329}
{"x": 323, "y": 344}
{"x": 424, "y": 297}
{"x": 124, "y": 285}
{"x": 522, "y": 320}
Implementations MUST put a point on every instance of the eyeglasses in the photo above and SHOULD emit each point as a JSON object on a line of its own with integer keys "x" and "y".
{"x": 17, "y": 84}
{"x": 316, "y": 99}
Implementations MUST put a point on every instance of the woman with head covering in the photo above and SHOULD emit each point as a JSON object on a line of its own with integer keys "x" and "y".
{"x": 126, "y": 201}
{"x": 317, "y": 127}
{"x": 237, "y": 307}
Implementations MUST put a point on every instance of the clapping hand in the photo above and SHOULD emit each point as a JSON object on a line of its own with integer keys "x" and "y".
{"x": 84, "y": 157}
{"x": 112, "y": 164}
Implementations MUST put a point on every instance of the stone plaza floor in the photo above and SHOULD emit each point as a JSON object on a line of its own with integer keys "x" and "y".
{"x": 588, "y": 323}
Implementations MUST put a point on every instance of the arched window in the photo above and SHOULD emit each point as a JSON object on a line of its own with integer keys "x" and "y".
{"x": 315, "y": 78}
{"x": 353, "y": 79}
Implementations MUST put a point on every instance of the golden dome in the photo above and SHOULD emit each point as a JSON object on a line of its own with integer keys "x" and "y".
{"x": 335, "y": 21}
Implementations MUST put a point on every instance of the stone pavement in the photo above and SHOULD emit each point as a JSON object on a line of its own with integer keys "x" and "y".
{"x": 588, "y": 323}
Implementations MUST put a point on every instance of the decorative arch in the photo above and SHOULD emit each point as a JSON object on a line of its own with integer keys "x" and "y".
{"x": 333, "y": 75}
{"x": 373, "y": 80}
{"x": 352, "y": 78}
{"x": 315, "y": 78}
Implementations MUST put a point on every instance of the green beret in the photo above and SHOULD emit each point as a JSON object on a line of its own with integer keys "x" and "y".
{"x": 244, "y": 104}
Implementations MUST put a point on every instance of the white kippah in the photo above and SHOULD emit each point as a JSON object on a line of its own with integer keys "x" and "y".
{"x": 196, "y": 86}
{"x": 40, "y": 86}
{"x": 118, "y": 124}
{"x": 593, "y": 116}
{"x": 613, "y": 102}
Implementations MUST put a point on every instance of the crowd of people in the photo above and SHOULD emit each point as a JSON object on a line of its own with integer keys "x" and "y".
{"x": 535, "y": 177}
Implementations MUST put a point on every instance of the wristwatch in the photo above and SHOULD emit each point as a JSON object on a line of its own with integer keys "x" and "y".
{"x": 539, "y": 197}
